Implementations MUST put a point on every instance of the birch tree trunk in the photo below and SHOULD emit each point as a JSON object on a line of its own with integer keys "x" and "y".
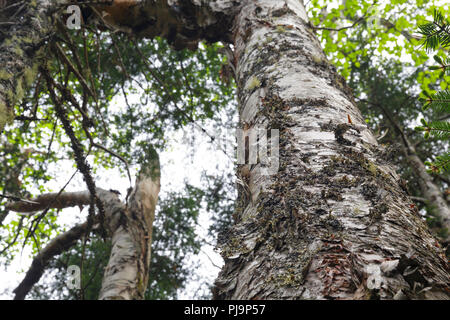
{"x": 333, "y": 222}
{"x": 126, "y": 275}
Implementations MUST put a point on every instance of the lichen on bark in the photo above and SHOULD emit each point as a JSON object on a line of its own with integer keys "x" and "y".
{"x": 334, "y": 215}
{"x": 22, "y": 50}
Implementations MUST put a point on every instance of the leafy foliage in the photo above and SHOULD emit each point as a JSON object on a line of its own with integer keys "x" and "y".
{"x": 352, "y": 30}
{"x": 442, "y": 162}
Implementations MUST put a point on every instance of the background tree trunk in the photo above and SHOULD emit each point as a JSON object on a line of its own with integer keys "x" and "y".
{"x": 333, "y": 222}
{"x": 126, "y": 275}
{"x": 431, "y": 192}
{"x": 129, "y": 225}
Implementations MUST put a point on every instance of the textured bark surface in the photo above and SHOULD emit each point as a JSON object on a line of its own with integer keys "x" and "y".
{"x": 182, "y": 22}
{"x": 53, "y": 200}
{"x": 126, "y": 275}
{"x": 333, "y": 222}
{"x": 24, "y": 30}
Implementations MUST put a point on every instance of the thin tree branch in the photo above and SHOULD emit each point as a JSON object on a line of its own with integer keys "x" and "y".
{"x": 19, "y": 228}
{"x": 20, "y": 200}
{"x": 82, "y": 164}
{"x": 338, "y": 29}
{"x": 72, "y": 68}
{"x": 58, "y": 245}
{"x": 419, "y": 199}
{"x": 442, "y": 178}
{"x": 38, "y": 219}
{"x": 392, "y": 121}
{"x": 54, "y": 200}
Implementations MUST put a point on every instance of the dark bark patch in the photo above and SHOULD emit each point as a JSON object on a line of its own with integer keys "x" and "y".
{"x": 369, "y": 191}
{"x": 332, "y": 223}
{"x": 332, "y": 193}
{"x": 376, "y": 213}
{"x": 282, "y": 11}
{"x": 339, "y": 132}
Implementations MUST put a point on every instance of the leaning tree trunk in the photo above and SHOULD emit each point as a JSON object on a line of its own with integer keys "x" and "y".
{"x": 333, "y": 222}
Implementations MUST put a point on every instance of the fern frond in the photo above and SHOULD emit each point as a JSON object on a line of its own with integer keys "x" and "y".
{"x": 440, "y": 101}
{"x": 436, "y": 33}
{"x": 439, "y": 129}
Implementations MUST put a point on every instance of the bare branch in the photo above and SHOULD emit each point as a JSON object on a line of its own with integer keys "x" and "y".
{"x": 338, "y": 29}
{"x": 58, "y": 245}
{"x": 419, "y": 199}
{"x": 52, "y": 200}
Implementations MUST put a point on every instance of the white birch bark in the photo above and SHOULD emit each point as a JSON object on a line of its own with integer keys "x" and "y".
{"x": 333, "y": 222}
{"x": 126, "y": 275}
{"x": 129, "y": 225}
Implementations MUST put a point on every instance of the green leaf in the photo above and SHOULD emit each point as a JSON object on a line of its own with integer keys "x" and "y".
{"x": 437, "y": 59}
{"x": 419, "y": 129}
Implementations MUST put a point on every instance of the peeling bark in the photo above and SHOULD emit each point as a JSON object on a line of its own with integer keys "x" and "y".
{"x": 333, "y": 222}
{"x": 126, "y": 275}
